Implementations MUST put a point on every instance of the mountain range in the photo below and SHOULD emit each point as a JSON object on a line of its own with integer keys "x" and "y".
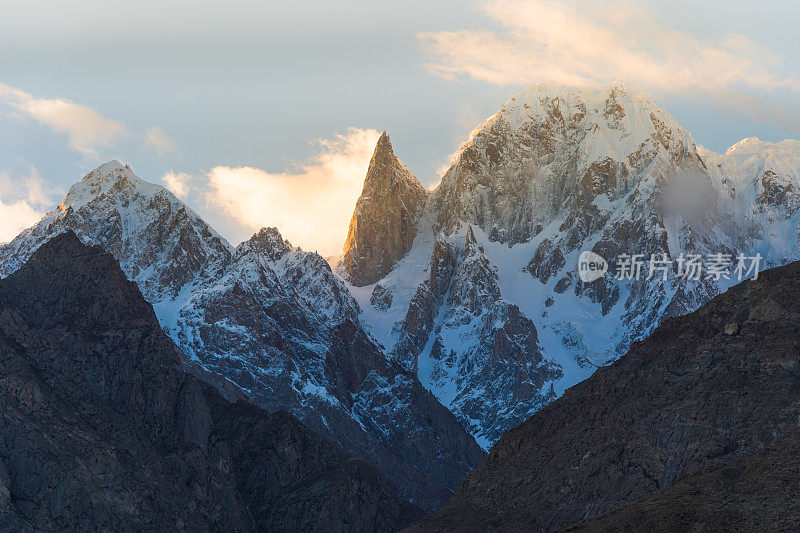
{"x": 272, "y": 321}
{"x": 486, "y": 304}
{"x": 696, "y": 425}
{"x": 456, "y": 314}
{"x": 102, "y": 429}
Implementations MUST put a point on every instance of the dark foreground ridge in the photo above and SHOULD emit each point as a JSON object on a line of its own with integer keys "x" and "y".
{"x": 101, "y": 429}
{"x": 754, "y": 493}
{"x": 705, "y": 409}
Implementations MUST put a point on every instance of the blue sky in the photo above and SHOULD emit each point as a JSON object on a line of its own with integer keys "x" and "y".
{"x": 197, "y": 91}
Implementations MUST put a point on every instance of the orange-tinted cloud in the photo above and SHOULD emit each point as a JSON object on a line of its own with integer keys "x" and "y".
{"x": 311, "y": 203}
{"x": 598, "y": 43}
{"x": 87, "y": 130}
{"x": 23, "y": 201}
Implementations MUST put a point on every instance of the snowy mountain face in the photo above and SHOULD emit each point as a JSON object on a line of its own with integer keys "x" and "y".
{"x": 487, "y": 306}
{"x": 270, "y": 318}
{"x": 760, "y": 180}
{"x": 161, "y": 243}
{"x": 455, "y": 313}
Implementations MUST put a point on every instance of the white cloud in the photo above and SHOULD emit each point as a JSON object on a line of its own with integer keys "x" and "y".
{"x": 156, "y": 139}
{"x": 311, "y": 204}
{"x": 178, "y": 183}
{"x": 599, "y": 43}
{"x": 23, "y": 200}
{"x": 86, "y": 129}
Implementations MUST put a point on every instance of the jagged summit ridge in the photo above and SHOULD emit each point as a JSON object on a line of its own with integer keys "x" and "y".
{"x": 161, "y": 243}
{"x": 384, "y": 221}
{"x": 123, "y": 438}
{"x": 557, "y": 171}
{"x": 268, "y": 241}
{"x": 272, "y": 319}
{"x": 550, "y": 146}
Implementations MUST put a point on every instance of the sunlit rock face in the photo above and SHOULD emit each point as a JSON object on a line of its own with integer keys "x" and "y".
{"x": 384, "y": 222}
{"x": 555, "y": 172}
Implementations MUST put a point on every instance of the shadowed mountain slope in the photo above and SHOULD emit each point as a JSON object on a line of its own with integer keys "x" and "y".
{"x": 272, "y": 319}
{"x": 102, "y": 429}
{"x": 754, "y": 493}
{"x": 704, "y": 389}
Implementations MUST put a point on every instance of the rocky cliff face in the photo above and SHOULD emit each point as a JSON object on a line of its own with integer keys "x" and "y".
{"x": 558, "y": 171}
{"x": 707, "y": 388}
{"x": 102, "y": 429}
{"x": 384, "y": 222}
{"x": 477, "y": 352}
{"x": 273, "y": 320}
{"x": 754, "y": 493}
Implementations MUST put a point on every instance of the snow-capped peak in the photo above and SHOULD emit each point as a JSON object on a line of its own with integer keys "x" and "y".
{"x": 160, "y": 242}
{"x": 268, "y": 242}
{"x": 749, "y": 159}
{"x": 745, "y": 144}
{"x": 107, "y": 179}
{"x": 615, "y": 119}
{"x": 109, "y": 168}
{"x": 754, "y": 145}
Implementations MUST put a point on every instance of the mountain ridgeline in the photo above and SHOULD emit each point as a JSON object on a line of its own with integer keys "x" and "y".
{"x": 456, "y": 320}
{"x": 487, "y": 307}
{"x": 270, "y": 320}
{"x": 103, "y": 430}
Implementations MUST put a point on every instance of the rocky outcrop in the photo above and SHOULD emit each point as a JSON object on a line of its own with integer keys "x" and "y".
{"x": 419, "y": 320}
{"x": 381, "y": 298}
{"x": 384, "y": 222}
{"x": 102, "y": 429}
{"x": 547, "y": 261}
{"x": 708, "y": 388}
{"x": 494, "y": 375}
{"x": 274, "y": 322}
{"x": 754, "y": 493}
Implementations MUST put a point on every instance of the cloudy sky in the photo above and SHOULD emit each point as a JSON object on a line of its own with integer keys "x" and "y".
{"x": 266, "y": 113}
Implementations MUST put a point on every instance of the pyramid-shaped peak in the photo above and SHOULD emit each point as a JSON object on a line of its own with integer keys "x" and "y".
{"x": 112, "y": 169}
{"x": 109, "y": 180}
{"x": 110, "y": 175}
{"x": 267, "y": 241}
{"x": 383, "y": 148}
{"x": 112, "y": 165}
{"x": 386, "y": 169}
{"x": 384, "y": 220}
